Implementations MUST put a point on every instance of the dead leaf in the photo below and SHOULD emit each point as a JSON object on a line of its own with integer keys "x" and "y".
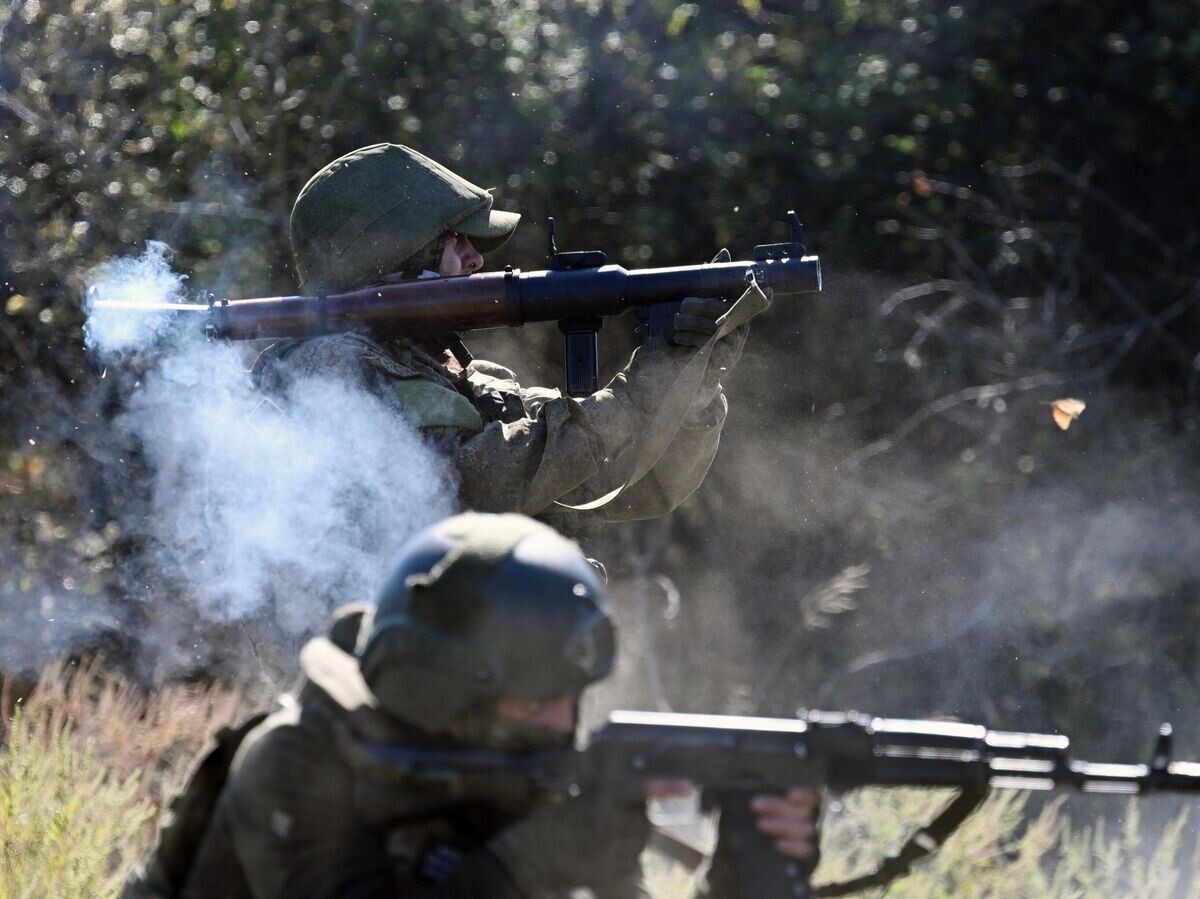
{"x": 1066, "y": 411}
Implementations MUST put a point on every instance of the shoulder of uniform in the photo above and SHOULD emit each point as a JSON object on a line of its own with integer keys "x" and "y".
{"x": 327, "y": 354}
{"x": 289, "y": 737}
{"x": 429, "y": 400}
{"x": 425, "y": 394}
{"x": 334, "y": 347}
{"x": 287, "y": 776}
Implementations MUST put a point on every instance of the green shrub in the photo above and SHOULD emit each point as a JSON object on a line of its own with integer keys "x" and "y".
{"x": 68, "y": 826}
{"x": 1003, "y": 853}
{"x": 85, "y": 765}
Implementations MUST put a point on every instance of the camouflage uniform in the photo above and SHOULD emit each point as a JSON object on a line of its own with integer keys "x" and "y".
{"x": 306, "y": 815}
{"x": 518, "y": 449}
{"x": 480, "y": 609}
{"x": 467, "y": 618}
{"x": 386, "y": 209}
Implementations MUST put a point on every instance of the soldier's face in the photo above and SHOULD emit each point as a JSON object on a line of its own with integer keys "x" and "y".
{"x": 459, "y": 257}
{"x": 558, "y": 716}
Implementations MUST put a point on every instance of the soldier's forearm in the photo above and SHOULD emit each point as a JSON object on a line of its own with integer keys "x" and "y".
{"x": 526, "y": 465}
{"x": 679, "y": 473}
{"x": 576, "y": 450}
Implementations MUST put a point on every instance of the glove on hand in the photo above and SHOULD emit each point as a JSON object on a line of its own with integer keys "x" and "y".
{"x": 695, "y": 323}
{"x": 593, "y": 841}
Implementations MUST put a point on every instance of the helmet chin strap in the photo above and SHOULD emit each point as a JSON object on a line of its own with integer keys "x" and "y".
{"x": 425, "y": 263}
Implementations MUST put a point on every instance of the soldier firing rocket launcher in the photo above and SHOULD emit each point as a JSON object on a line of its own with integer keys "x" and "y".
{"x": 731, "y": 758}
{"x": 578, "y": 290}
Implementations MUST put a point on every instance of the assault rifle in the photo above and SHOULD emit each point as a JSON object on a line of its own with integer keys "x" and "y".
{"x": 734, "y": 758}
{"x": 578, "y": 290}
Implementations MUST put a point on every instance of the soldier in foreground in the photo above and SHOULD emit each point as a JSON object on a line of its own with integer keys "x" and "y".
{"x": 485, "y": 636}
{"x": 384, "y": 213}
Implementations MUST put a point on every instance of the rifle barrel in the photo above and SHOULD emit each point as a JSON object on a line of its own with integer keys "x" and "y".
{"x": 843, "y": 750}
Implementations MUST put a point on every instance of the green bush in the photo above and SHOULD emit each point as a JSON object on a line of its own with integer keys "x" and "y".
{"x": 68, "y": 827}
{"x": 85, "y": 764}
{"x": 1000, "y": 853}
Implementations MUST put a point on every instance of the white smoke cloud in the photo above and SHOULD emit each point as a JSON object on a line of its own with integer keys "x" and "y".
{"x": 260, "y": 509}
{"x": 140, "y": 280}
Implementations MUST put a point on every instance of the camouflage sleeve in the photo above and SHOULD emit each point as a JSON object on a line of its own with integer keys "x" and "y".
{"x": 289, "y": 809}
{"x": 577, "y": 450}
{"x": 679, "y": 472}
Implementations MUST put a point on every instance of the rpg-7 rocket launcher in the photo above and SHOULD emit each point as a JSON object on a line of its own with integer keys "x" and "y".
{"x": 731, "y": 759}
{"x": 578, "y": 290}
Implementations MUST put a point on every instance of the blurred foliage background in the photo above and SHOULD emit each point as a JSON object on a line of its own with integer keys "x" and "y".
{"x": 1002, "y": 196}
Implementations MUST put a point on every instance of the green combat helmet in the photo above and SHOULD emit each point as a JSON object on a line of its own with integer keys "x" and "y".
{"x": 482, "y": 607}
{"x": 363, "y": 215}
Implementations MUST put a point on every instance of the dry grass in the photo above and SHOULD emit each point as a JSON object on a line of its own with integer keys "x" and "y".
{"x": 1001, "y": 853}
{"x": 87, "y": 761}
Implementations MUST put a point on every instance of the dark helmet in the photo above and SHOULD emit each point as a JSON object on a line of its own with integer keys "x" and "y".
{"x": 480, "y": 607}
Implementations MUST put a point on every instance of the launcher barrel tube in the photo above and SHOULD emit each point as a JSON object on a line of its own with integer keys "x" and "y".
{"x": 502, "y": 299}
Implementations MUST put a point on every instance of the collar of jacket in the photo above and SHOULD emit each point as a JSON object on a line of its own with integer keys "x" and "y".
{"x": 333, "y": 674}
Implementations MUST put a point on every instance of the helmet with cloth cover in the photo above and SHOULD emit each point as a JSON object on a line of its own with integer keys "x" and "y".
{"x": 362, "y": 216}
{"x": 482, "y": 607}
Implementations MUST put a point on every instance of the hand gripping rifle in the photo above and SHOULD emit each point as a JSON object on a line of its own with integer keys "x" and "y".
{"x": 734, "y": 758}
{"x": 578, "y": 290}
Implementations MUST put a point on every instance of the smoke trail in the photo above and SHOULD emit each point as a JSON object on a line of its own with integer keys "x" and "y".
{"x": 256, "y": 509}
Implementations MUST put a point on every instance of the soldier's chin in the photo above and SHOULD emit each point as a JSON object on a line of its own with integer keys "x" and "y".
{"x": 516, "y": 736}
